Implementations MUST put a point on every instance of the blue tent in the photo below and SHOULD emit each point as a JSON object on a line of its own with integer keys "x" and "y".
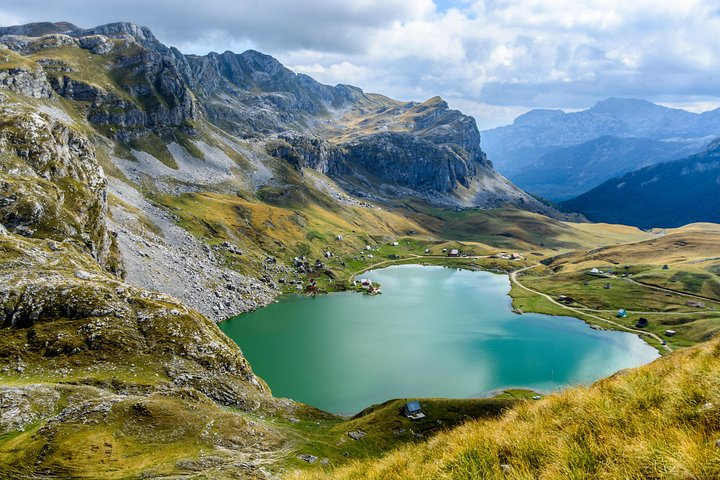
{"x": 621, "y": 313}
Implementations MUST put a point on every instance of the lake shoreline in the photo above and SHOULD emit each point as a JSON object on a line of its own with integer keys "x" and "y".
{"x": 451, "y": 262}
{"x": 451, "y": 334}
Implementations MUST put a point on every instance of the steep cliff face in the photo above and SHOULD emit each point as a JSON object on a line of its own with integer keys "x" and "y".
{"x": 423, "y": 146}
{"x": 139, "y": 87}
{"x": 409, "y": 161}
{"x": 51, "y": 184}
{"x": 135, "y": 90}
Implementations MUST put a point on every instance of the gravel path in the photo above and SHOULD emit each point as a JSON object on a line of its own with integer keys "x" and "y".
{"x": 577, "y": 311}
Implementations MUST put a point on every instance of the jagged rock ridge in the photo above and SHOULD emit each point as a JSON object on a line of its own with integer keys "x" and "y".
{"x": 428, "y": 151}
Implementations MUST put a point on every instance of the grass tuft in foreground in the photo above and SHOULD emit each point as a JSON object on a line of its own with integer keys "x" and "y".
{"x": 657, "y": 421}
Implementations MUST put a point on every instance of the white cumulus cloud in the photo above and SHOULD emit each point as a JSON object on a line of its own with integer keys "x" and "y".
{"x": 492, "y": 58}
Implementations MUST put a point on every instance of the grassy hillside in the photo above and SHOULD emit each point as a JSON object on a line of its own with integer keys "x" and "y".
{"x": 661, "y": 279}
{"x": 657, "y": 421}
{"x": 518, "y": 229}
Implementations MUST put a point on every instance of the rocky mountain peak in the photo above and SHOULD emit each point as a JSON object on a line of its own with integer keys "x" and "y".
{"x": 537, "y": 115}
{"x": 38, "y": 29}
{"x": 261, "y": 62}
{"x": 143, "y": 35}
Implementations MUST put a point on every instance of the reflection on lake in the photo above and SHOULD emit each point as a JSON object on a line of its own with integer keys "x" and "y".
{"x": 435, "y": 332}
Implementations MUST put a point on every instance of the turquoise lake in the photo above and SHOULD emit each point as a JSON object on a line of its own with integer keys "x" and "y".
{"x": 435, "y": 332}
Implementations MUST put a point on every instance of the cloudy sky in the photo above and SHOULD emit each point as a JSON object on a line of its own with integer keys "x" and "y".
{"x": 493, "y": 59}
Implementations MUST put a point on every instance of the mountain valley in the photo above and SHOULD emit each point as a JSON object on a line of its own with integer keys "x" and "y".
{"x": 146, "y": 195}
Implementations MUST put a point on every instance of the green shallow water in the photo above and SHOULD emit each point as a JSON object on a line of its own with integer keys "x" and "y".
{"x": 435, "y": 332}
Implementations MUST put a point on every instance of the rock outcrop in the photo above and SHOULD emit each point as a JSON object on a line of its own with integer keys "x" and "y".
{"x": 424, "y": 149}
{"x": 51, "y": 184}
{"x": 25, "y": 81}
{"x": 409, "y": 161}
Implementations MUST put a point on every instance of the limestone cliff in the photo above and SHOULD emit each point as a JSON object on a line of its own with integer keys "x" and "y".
{"x": 136, "y": 90}
{"x": 51, "y": 185}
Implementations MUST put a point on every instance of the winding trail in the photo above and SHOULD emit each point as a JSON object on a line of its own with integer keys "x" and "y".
{"x": 513, "y": 278}
{"x": 585, "y": 309}
{"x": 577, "y": 311}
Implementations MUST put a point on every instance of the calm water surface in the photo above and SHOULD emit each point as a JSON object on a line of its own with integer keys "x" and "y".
{"x": 435, "y": 332}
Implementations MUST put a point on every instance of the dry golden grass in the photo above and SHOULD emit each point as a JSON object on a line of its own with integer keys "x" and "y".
{"x": 264, "y": 229}
{"x": 520, "y": 230}
{"x": 687, "y": 246}
{"x": 604, "y": 233}
{"x": 377, "y": 115}
{"x": 657, "y": 421}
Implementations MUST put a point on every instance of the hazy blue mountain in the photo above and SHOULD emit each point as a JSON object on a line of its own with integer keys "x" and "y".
{"x": 538, "y": 135}
{"x": 569, "y": 171}
{"x": 669, "y": 194}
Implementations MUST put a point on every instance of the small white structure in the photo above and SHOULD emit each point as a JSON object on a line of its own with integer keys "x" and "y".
{"x": 454, "y": 253}
{"x": 368, "y": 247}
{"x": 395, "y": 244}
{"x": 595, "y": 271}
{"x": 339, "y": 238}
{"x": 413, "y": 410}
{"x": 328, "y": 254}
{"x": 370, "y": 255}
{"x": 670, "y": 333}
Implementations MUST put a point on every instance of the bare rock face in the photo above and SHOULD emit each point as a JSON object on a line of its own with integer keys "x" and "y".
{"x": 305, "y": 151}
{"x": 155, "y": 97}
{"x": 253, "y": 94}
{"x": 72, "y": 89}
{"x": 47, "y": 311}
{"x": 409, "y": 161}
{"x": 51, "y": 184}
{"x": 26, "y": 81}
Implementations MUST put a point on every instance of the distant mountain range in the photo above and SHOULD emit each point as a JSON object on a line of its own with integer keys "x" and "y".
{"x": 669, "y": 194}
{"x": 558, "y": 155}
{"x": 569, "y": 171}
